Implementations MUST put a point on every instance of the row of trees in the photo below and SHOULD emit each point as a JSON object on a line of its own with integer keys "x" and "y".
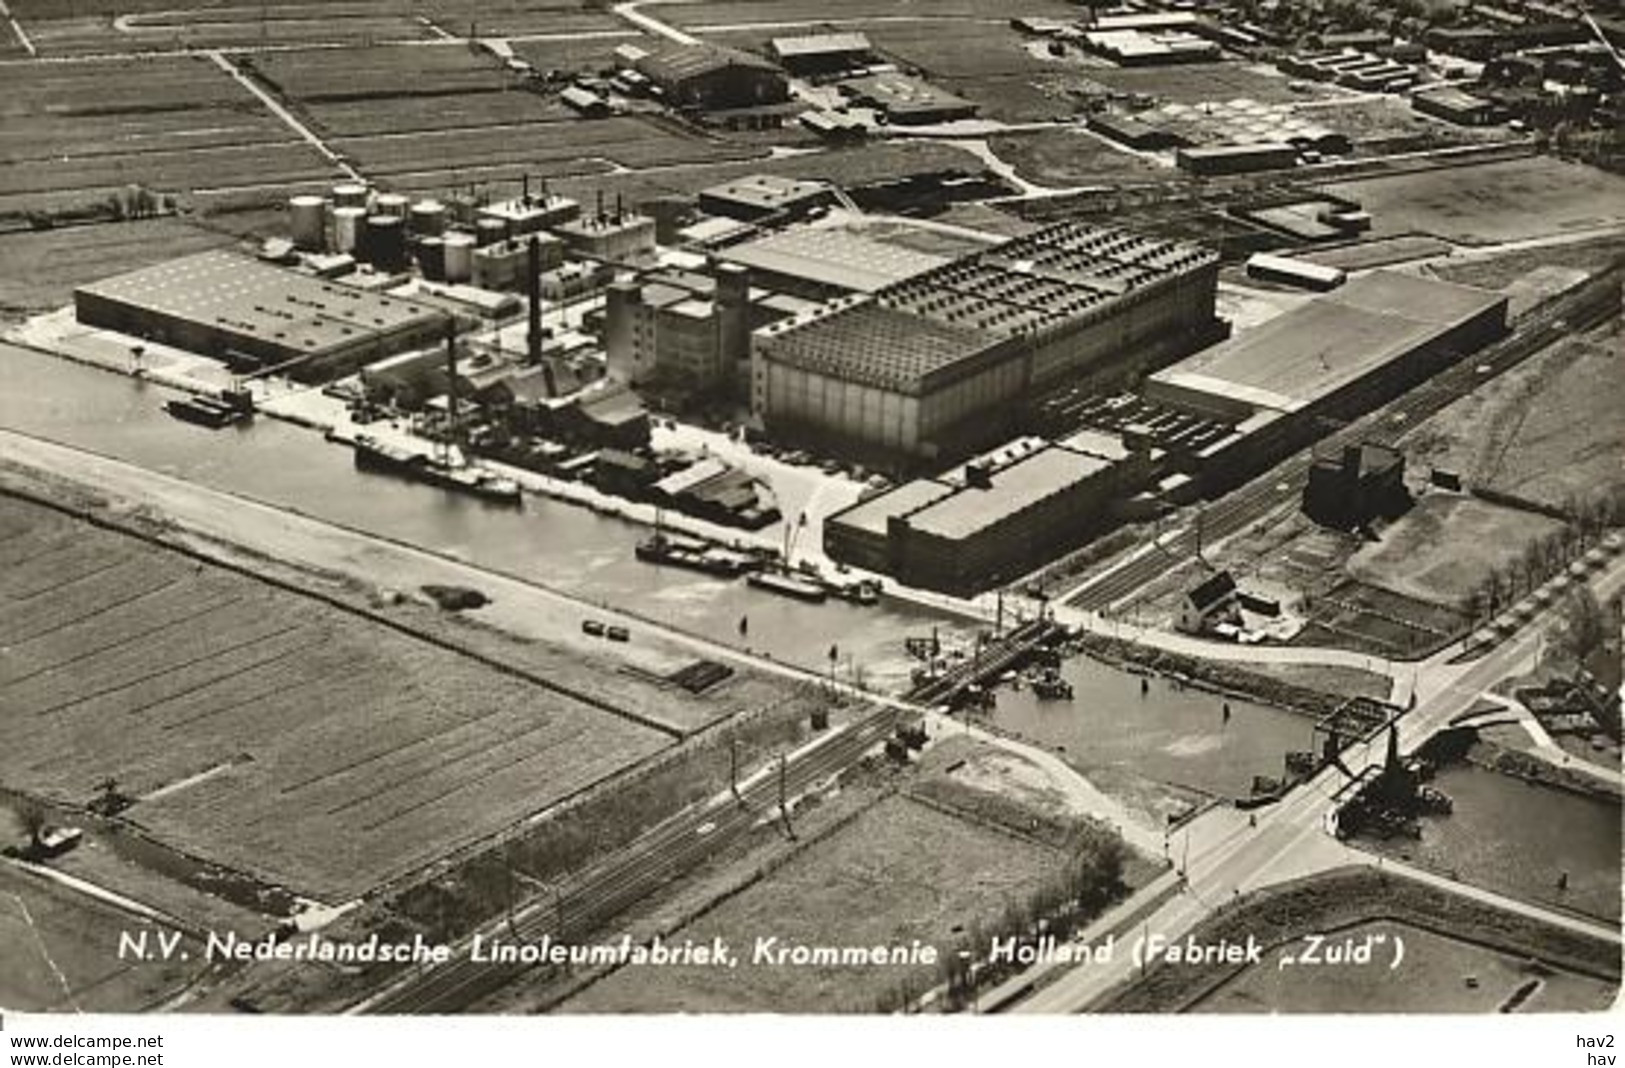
{"x": 1589, "y": 518}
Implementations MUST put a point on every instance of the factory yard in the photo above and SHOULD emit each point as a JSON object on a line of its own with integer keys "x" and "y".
{"x": 1548, "y": 431}
{"x": 1447, "y": 546}
{"x": 1488, "y": 203}
{"x": 378, "y": 753}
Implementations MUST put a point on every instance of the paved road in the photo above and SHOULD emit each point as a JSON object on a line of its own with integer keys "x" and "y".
{"x": 1224, "y": 856}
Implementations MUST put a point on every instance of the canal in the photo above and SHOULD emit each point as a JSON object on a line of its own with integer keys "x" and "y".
{"x": 1170, "y": 734}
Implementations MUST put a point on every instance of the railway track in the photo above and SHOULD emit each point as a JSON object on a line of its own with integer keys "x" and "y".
{"x": 1551, "y": 322}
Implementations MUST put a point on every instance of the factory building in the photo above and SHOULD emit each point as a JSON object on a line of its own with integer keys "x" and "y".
{"x": 928, "y": 370}
{"x": 711, "y": 78}
{"x": 823, "y": 55}
{"x": 989, "y": 523}
{"x": 504, "y": 265}
{"x": 231, "y": 307}
{"x": 678, "y": 331}
{"x": 1333, "y": 358}
{"x": 1237, "y": 159}
{"x": 907, "y": 100}
{"x": 755, "y": 197}
{"x": 826, "y": 262}
{"x": 1144, "y": 48}
{"x": 1454, "y": 105}
{"x": 525, "y": 214}
{"x": 619, "y": 236}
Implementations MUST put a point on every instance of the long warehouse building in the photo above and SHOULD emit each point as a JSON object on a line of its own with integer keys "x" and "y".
{"x": 928, "y": 370}
{"x": 231, "y": 307}
{"x": 1281, "y": 384}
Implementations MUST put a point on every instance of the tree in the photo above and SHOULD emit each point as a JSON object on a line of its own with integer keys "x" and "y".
{"x": 1584, "y": 627}
{"x": 33, "y": 820}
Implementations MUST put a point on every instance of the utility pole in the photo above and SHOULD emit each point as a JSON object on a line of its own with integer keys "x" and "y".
{"x": 733, "y": 766}
{"x": 784, "y": 801}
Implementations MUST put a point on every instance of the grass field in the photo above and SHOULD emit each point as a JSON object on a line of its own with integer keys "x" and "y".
{"x": 1487, "y": 203}
{"x": 61, "y": 953}
{"x": 1546, "y": 431}
{"x": 291, "y": 740}
{"x": 1433, "y": 978}
{"x": 1446, "y": 546}
{"x": 899, "y": 872}
{"x": 812, "y": 13}
{"x": 38, "y": 271}
{"x": 73, "y": 132}
{"x": 1196, "y": 83}
{"x": 316, "y": 75}
{"x": 1073, "y": 157}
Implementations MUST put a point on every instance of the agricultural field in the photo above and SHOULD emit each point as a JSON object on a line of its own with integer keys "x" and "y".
{"x": 920, "y": 874}
{"x": 96, "y": 26}
{"x": 39, "y": 270}
{"x": 596, "y": 53}
{"x": 1489, "y": 203}
{"x": 1059, "y": 158}
{"x": 1547, "y": 431}
{"x": 1372, "y": 619}
{"x": 61, "y": 953}
{"x": 323, "y": 75}
{"x": 483, "y": 111}
{"x": 275, "y": 735}
{"x": 1198, "y": 83}
{"x": 1435, "y": 977}
{"x": 789, "y": 16}
{"x": 432, "y": 160}
{"x": 72, "y": 133}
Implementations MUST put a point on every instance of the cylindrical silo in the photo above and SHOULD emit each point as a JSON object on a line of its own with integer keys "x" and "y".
{"x": 459, "y": 255}
{"x": 307, "y": 222}
{"x": 490, "y": 231}
{"x": 347, "y": 226}
{"x": 428, "y": 218}
{"x": 432, "y": 258}
{"x": 391, "y": 204}
{"x": 350, "y": 195}
{"x": 386, "y": 242}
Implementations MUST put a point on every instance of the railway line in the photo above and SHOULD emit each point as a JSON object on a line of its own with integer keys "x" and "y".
{"x": 1543, "y": 326}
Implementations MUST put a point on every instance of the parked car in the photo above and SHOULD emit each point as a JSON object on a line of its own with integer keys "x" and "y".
{"x": 592, "y": 627}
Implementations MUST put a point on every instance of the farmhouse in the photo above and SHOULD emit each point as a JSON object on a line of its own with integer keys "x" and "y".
{"x": 712, "y": 78}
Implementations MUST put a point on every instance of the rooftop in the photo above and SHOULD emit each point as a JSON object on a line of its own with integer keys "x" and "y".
{"x": 902, "y": 94}
{"x": 1317, "y": 348}
{"x": 232, "y": 292}
{"x": 766, "y": 191}
{"x": 873, "y": 513}
{"x": 868, "y": 343}
{"x": 1011, "y": 489}
{"x": 819, "y": 44}
{"x": 678, "y": 62}
{"x": 833, "y": 257}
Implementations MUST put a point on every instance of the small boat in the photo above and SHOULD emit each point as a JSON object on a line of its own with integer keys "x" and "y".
{"x": 866, "y": 591}
{"x": 696, "y": 555}
{"x": 1050, "y": 686}
{"x": 204, "y": 410}
{"x": 372, "y": 454}
{"x": 789, "y": 585}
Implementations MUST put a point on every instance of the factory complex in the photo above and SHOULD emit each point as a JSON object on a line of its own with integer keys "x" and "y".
{"x": 929, "y": 369}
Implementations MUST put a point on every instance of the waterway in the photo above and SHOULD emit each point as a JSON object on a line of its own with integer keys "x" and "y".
{"x": 1169, "y": 735}
{"x": 1519, "y": 838}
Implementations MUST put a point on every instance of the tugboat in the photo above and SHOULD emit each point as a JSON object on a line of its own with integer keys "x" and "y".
{"x": 790, "y": 585}
{"x": 1048, "y": 685}
{"x": 863, "y": 591}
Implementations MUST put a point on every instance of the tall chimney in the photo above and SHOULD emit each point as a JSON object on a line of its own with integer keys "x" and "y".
{"x": 617, "y": 209}
{"x": 451, "y": 374}
{"x": 600, "y": 205}
{"x": 525, "y": 198}
{"x": 535, "y": 280}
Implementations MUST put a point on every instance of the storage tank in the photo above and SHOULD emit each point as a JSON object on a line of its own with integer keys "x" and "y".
{"x": 390, "y": 204}
{"x": 307, "y": 222}
{"x": 432, "y": 258}
{"x": 349, "y": 195}
{"x": 347, "y": 226}
{"x": 386, "y": 242}
{"x": 490, "y": 231}
{"x": 458, "y": 249}
{"x": 428, "y": 218}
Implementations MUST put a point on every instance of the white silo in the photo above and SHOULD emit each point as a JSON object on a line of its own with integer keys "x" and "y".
{"x": 428, "y": 218}
{"x": 307, "y": 222}
{"x": 391, "y": 204}
{"x": 459, "y": 253}
{"x": 347, "y": 222}
{"x": 349, "y": 195}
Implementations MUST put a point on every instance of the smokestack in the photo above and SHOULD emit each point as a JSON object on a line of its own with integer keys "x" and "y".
{"x": 617, "y": 209}
{"x": 600, "y": 205}
{"x": 535, "y": 276}
{"x": 451, "y": 373}
{"x": 525, "y": 199}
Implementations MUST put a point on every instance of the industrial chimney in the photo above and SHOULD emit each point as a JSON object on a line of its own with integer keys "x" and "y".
{"x": 534, "y": 274}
